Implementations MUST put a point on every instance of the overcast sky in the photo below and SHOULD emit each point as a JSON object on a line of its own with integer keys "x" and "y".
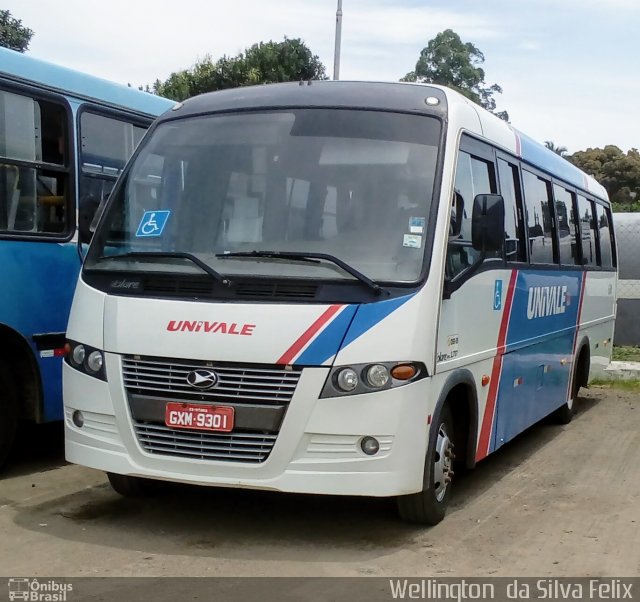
{"x": 570, "y": 69}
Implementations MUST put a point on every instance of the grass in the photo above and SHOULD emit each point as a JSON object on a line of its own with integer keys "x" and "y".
{"x": 626, "y": 354}
{"x": 623, "y": 385}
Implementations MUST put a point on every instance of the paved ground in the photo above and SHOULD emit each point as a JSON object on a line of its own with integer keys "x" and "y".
{"x": 557, "y": 501}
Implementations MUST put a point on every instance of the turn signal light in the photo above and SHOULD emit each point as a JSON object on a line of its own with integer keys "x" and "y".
{"x": 404, "y": 372}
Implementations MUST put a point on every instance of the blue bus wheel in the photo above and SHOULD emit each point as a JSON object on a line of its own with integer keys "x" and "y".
{"x": 8, "y": 412}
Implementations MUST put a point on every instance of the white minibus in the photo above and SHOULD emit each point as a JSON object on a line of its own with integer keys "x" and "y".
{"x": 334, "y": 287}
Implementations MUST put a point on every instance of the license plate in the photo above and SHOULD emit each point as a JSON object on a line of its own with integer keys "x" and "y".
{"x": 199, "y": 417}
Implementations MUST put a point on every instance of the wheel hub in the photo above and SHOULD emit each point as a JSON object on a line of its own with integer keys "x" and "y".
{"x": 443, "y": 463}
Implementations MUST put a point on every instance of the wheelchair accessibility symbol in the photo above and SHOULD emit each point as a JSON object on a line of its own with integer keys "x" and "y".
{"x": 153, "y": 223}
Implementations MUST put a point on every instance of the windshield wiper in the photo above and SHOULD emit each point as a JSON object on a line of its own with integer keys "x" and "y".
{"x": 170, "y": 255}
{"x": 311, "y": 258}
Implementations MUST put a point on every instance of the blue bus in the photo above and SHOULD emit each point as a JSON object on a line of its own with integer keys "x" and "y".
{"x": 64, "y": 138}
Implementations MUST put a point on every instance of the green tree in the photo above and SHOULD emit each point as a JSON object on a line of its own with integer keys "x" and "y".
{"x": 448, "y": 61}
{"x": 265, "y": 62}
{"x": 558, "y": 150}
{"x": 617, "y": 171}
{"x": 13, "y": 34}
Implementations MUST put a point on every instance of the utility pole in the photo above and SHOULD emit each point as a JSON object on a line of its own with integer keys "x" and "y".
{"x": 336, "y": 54}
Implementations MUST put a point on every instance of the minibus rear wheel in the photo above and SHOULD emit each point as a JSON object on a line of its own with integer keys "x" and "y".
{"x": 128, "y": 486}
{"x": 564, "y": 414}
{"x": 8, "y": 412}
{"x": 428, "y": 507}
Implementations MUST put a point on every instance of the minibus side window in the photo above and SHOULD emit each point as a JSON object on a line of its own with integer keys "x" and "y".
{"x": 604, "y": 237}
{"x": 587, "y": 231}
{"x": 515, "y": 248}
{"x": 473, "y": 176}
{"x": 567, "y": 226}
{"x": 540, "y": 219}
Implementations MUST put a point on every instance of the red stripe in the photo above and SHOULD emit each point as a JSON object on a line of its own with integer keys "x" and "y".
{"x": 308, "y": 334}
{"x": 489, "y": 410}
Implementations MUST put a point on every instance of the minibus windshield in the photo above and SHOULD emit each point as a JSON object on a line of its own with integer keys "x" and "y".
{"x": 236, "y": 189}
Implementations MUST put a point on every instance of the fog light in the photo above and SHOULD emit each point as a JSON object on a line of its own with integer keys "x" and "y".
{"x": 94, "y": 361}
{"x": 78, "y": 419}
{"x": 370, "y": 445}
{"x": 347, "y": 379}
{"x": 378, "y": 376}
{"x": 78, "y": 354}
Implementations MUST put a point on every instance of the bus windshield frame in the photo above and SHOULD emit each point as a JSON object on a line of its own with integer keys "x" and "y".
{"x": 245, "y": 192}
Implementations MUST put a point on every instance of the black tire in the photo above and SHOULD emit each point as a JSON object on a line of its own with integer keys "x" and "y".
{"x": 428, "y": 507}
{"x": 564, "y": 414}
{"x": 128, "y": 486}
{"x": 8, "y": 413}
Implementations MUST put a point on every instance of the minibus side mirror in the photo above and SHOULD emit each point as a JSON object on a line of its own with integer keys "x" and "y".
{"x": 487, "y": 223}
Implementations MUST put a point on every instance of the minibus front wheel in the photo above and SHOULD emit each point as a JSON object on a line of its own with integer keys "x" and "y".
{"x": 429, "y": 506}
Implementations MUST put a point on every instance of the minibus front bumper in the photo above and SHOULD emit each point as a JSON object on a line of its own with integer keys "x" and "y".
{"x": 318, "y": 448}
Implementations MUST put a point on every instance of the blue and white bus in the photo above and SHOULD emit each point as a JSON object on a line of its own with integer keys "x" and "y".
{"x": 64, "y": 138}
{"x": 334, "y": 288}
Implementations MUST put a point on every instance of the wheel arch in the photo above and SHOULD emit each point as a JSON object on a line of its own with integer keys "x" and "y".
{"x": 583, "y": 361}
{"x": 17, "y": 354}
{"x": 460, "y": 392}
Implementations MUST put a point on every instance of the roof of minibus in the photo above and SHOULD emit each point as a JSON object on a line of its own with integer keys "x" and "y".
{"x": 395, "y": 96}
{"x": 22, "y": 68}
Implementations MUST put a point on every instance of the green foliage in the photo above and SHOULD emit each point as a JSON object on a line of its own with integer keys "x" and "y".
{"x": 622, "y": 384}
{"x": 13, "y": 34}
{"x": 626, "y": 354}
{"x": 617, "y": 171}
{"x": 448, "y": 61}
{"x": 265, "y": 62}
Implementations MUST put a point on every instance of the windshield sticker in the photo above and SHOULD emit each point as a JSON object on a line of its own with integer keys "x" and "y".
{"x": 416, "y": 225}
{"x": 153, "y": 223}
{"x": 413, "y": 241}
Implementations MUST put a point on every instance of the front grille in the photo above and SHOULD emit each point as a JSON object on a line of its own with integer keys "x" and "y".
{"x": 278, "y": 290}
{"x": 262, "y": 384}
{"x": 203, "y": 287}
{"x": 260, "y": 394}
{"x": 170, "y": 285}
{"x": 243, "y": 447}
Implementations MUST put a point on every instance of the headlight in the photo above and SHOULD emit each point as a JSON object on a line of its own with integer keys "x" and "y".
{"x": 370, "y": 378}
{"x": 94, "y": 361}
{"x": 85, "y": 359}
{"x": 378, "y": 376}
{"x": 347, "y": 380}
{"x": 78, "y": 354}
